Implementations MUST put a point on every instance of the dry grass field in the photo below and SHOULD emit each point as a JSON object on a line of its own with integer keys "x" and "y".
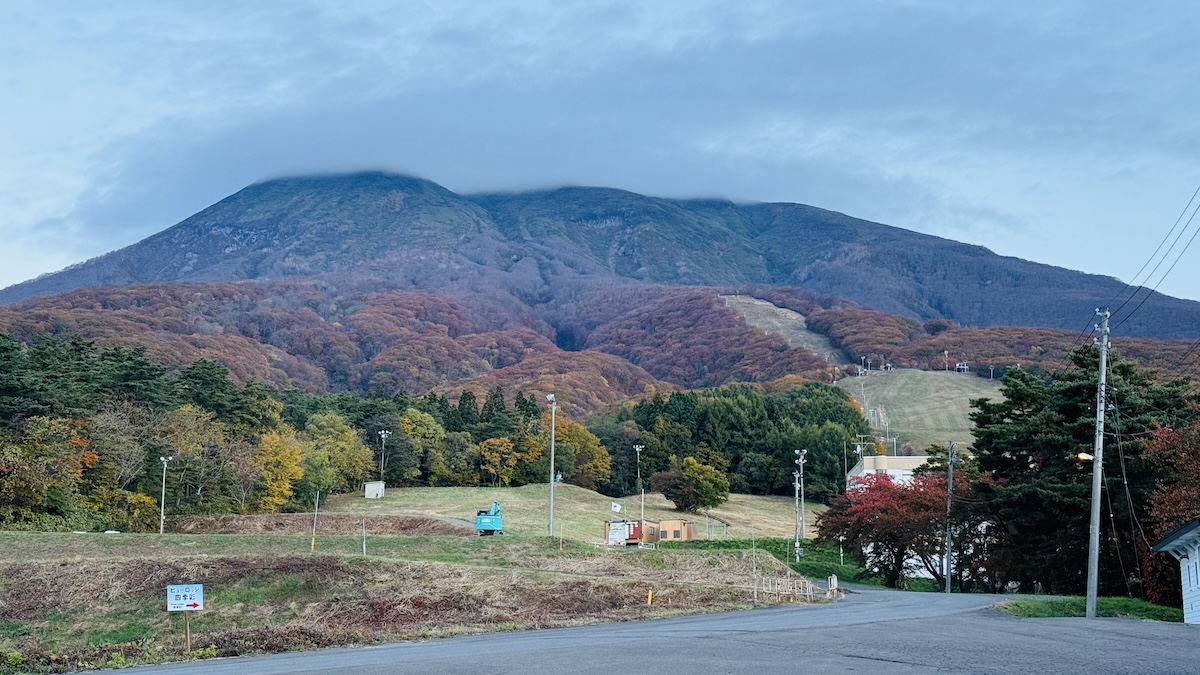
{"x": 83, "y": 601}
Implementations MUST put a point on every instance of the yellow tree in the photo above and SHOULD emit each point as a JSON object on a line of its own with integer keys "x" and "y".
{"x": 425, "y": 435}
{"x": 593, "y": 466}
{"x": 193, "y": 437}
{"x": 348, "y": 458}
{"x": 498, "y": 458}
{"x": 279, "y": 461}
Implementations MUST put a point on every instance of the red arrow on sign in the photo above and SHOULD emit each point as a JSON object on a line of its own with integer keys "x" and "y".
{"x": 194, "y": 604}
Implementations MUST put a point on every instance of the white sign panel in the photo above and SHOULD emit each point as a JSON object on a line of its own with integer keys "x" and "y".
{"x": 616, "y": 533}
{"x": 185, "y": 597}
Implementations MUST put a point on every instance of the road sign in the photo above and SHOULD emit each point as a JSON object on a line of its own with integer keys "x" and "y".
{"x": 185, "y": 597}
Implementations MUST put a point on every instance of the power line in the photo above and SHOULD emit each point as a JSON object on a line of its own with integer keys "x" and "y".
{"x": 1160, "y": 262}
{"x": 1133, "y": 281}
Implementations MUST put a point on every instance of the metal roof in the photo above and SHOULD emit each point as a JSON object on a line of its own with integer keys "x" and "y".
{"x": 1180, "y": 537}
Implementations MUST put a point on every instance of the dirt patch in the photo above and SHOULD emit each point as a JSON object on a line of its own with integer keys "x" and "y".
{"x": 301, "y": 523}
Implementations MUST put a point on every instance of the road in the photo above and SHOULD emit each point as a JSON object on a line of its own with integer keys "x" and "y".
{"x": 871, "y": 631}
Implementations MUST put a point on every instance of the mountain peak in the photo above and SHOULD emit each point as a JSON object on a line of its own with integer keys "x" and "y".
{"x": 518, "y": 250}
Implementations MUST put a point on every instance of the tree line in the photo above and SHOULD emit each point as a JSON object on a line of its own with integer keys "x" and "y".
{"x": 91, "y": 438}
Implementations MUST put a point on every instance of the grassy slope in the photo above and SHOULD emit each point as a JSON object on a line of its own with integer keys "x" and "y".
{"x": 924, "y": 407}
{"x": 579, "y": 513}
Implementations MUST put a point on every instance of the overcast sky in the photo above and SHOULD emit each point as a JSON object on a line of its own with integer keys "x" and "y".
{"x": 1067, "y": 134}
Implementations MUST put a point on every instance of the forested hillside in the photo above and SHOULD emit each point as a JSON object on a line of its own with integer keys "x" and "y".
{"x": 88, "y": 434}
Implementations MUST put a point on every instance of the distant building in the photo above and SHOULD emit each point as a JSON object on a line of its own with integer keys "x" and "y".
{"x": 676, "y": 530}
{"x": 374, "y": 489}
{"x": 900, "y": 469}
{"x": 1184, "y": 544}
{"x": 962, "y": 367}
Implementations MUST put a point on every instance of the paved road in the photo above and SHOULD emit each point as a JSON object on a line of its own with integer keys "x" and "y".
{"x": 872, "y": 631}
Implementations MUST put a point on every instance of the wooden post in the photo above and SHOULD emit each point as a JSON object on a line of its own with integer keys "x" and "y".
{"x": 364, "y": 530}
{"x": 316, "y": 501}
{"x": 187, "y": 632}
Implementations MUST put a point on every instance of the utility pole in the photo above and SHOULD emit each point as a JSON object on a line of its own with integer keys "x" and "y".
{"x": 949, "y": 497}
{"x": 845, "y": 466}
{"x": 162, "y": 500}
{"x": 1097, "y": 470}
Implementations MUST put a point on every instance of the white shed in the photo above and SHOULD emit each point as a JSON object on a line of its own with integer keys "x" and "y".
{"x": 374, "y": 489}
{"x": 1184, "y": 544}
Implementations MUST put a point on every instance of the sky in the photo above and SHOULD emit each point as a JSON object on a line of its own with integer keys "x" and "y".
{"x": 1065, "y": 132}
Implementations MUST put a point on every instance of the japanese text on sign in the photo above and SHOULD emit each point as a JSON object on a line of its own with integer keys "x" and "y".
{"x": 185, "y": 597}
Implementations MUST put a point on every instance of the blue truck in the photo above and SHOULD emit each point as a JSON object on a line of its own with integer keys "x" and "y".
{"x": 489, "y": 521}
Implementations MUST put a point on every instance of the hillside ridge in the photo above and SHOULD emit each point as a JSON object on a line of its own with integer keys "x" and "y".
{"x": 524, "y": 252}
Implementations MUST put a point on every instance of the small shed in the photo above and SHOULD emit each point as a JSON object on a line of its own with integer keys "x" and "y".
{"x": 676, "y": 530}
{"x": 1184, "y": 544}
{"x": 630, "y": 532}
{"x": 374, "y": 489}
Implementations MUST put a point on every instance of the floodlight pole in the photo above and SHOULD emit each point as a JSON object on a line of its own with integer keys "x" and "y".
{"x": 383, "y": 436}
{"x": 638, "y": 449}
{"x": 553, "y": 410}
{"x": 800, "y": 461}
{"x": 1097, "y": 471}
{"x": 162, "y": 500}
{"x": 796, "y": 497}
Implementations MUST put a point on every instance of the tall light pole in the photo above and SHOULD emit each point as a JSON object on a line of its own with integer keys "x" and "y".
{"x": 641, "y": 488}
{"x": 800, "y": 463}
{"x": 162, "y": 500}
{"x": 553, "y": 410}
{"x": 796, "y": 497}
{"x": 383, "y": 436}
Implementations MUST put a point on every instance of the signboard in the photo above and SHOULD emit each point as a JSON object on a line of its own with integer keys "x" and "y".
{"x": 616, "y": 533}
{"x": 185, "y": 597}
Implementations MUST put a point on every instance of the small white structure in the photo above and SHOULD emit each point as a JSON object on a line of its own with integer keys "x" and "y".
{"x": 1184, "y": 544}
{"x": 374, "y": 489}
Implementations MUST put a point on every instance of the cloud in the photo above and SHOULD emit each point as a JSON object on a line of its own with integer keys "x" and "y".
{"x": 1022, "y": 127}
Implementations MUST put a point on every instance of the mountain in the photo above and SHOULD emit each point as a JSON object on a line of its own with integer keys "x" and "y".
{"x": 526, "y": 257}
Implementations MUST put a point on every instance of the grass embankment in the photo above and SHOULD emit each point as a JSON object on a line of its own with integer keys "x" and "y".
{"x": 1127, "y": 608}
{"x": 924, "y": 407}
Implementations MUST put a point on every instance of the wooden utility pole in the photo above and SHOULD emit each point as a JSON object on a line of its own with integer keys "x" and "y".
{"x": 949, "y": 497}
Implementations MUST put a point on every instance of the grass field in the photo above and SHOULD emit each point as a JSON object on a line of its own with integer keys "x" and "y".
{"x": 1075, "y": 606}
{"x": 578, "y": 513}
{"x": 80, "y": 601}
{"x": 923, "y": 407}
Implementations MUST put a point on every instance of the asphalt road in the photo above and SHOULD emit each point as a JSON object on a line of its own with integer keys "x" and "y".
{"x": 871, "y": 631}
